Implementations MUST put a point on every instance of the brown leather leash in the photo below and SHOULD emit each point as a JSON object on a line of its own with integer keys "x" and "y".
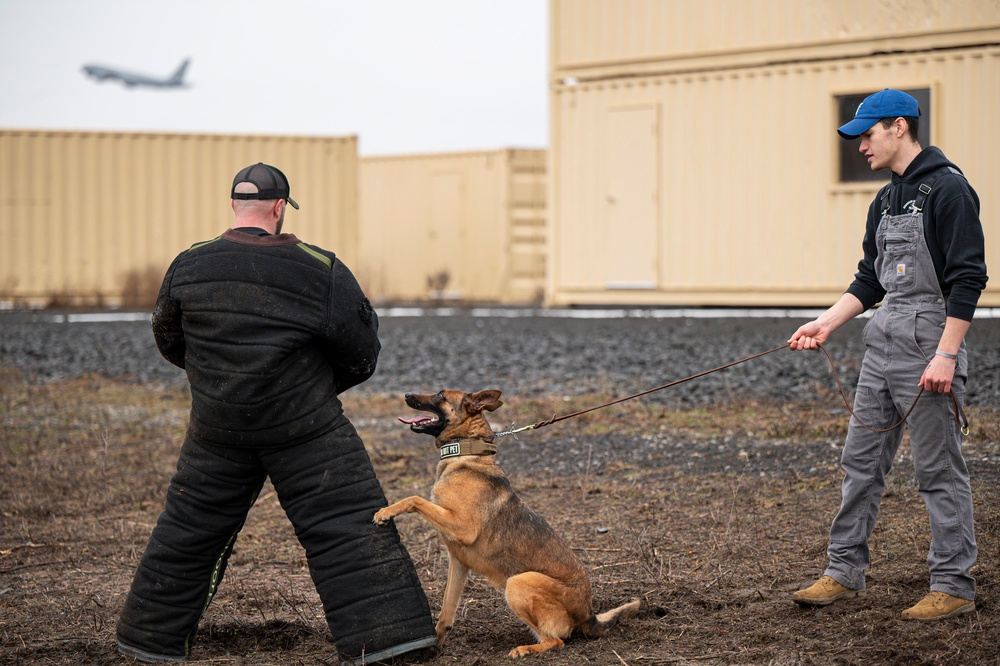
{"x": 960, "y": 417}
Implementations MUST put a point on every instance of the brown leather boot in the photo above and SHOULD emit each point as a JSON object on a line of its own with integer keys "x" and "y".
{"x": 824, "y": 592}
{"x": 938, "y": 606}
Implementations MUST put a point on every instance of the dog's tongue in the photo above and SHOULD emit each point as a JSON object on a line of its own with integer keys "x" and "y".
{"x": 415, "y": 419}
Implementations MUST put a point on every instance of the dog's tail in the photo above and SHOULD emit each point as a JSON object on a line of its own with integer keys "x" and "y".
{"x": 598, "y": 625}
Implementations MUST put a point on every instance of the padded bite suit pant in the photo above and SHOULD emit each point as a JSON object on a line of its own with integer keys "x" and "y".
{"x": 370, "y": 592}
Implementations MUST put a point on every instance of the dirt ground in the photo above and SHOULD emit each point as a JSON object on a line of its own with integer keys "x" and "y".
{"x": 712, "y": 516}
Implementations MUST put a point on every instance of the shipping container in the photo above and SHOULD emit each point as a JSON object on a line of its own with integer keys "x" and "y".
{"x": 94, "y": 218}
{"x": 454, "y": 227}
{"x": 694, "y": 163}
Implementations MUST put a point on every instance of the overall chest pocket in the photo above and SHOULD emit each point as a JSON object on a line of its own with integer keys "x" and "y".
{"x": 899, "y": 266}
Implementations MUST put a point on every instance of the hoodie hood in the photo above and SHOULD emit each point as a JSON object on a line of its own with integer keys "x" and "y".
{"x": 904, "y": 188}
{"x": 929, "y": 160}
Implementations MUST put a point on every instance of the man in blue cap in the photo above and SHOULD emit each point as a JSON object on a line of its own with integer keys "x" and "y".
{"x": 924, "y": 255}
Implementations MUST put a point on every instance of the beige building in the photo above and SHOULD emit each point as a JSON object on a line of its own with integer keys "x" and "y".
{"x": 693, "y": 156}
{"x": 693, "y": 161}
{"x": 454, "y": 227}
{"x": 94, "y": 218}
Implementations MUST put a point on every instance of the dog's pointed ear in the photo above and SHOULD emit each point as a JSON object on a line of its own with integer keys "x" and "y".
{"x": 488, "y": 400}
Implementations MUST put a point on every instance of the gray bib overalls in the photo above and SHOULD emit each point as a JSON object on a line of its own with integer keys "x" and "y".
{"x": 900, "y": 341}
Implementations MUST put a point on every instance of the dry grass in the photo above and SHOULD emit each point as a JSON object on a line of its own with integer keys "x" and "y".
{"x": 713, "y": 529}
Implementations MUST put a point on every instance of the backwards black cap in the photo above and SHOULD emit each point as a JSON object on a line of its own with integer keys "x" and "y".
{"x": 270, "y": 183}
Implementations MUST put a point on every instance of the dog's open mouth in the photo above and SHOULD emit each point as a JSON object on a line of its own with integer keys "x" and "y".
{"x": 433, "y": 421}
{"x": 429, "y": 425}
{"x": 420, "y": 423}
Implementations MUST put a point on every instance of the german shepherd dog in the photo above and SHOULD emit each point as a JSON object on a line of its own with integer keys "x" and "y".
{"x": 488, "y": 529}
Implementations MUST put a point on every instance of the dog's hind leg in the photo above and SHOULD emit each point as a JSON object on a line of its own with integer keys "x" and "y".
{"x": 535, "y": 598}
{"x": 458, "y": 574}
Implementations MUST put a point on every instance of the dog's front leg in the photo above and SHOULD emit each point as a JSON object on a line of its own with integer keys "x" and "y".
{"x": 382, "y": 516}
{"x": 456, "y": 527}
{"x": 458, "y": 574}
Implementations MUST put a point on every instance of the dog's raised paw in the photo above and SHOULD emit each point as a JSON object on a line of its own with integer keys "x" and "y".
{"x": 381, "y": 517}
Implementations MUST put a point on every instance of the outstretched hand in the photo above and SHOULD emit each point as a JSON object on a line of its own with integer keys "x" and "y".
{"x": 809, "y": 336}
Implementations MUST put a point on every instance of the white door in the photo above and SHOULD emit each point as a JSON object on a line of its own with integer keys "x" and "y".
{"x": 631, "y": 198}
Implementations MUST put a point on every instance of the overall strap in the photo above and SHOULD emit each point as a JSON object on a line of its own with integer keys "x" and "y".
{"x": 925, "y": 188}
{"x": 922, "y": 191}
{"x": 884, "y": 199}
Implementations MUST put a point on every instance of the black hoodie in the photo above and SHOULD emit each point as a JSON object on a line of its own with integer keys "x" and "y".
{"x": 952, "y": 229}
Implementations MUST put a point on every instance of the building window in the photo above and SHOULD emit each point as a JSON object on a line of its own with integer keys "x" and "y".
{"x": 853, "y": 165}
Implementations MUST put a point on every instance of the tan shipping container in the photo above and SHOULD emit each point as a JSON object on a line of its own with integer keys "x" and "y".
{"x": 593, "y": 39}
{"x": 85, "y": 215}
{"x": 454, "y": 227}
{"x": 720, "y": 186}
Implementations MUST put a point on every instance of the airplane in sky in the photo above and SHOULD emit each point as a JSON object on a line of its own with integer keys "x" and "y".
{"x": 176, "y": 80}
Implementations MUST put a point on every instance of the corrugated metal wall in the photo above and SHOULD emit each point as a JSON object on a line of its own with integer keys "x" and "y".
{"x": 744, "y": 206}
{"x": 603, "y": 38}
{"x": 83, "y": 214}
{"x": 454, "y": 226}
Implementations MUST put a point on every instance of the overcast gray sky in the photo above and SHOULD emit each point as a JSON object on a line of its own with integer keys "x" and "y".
{"x": 405, "y": 76}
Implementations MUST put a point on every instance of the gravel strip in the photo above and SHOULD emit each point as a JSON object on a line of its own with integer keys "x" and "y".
{"x": 526, "y": 355}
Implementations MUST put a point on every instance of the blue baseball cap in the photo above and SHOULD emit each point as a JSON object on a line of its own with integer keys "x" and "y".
{"x": 888, "y": 103}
